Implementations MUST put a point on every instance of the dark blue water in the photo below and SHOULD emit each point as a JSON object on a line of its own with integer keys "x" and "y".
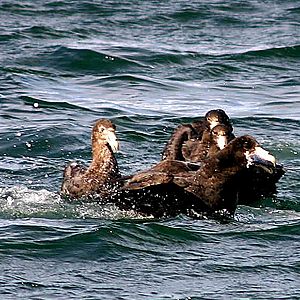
{"x": 148, "y": 66}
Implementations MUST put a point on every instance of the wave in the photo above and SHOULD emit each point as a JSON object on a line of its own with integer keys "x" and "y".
{"x": 87, "y": 61}
{"x": 37, "y": 31}
{"x": 124, "y": 233}
{"x": 289, "y": 51}
{"x": 133, "y": 80}
{"x": 39, "y": 103}
{"x": 174, "y": 56}
{"x": 6, "y": 6}
{"x": 280, "y": 122}
{"x": 40, "y": 32}
{"x": 123, "y": 63}
{"x": 220, "y": 13}
{"x": 294, "y": 10}
{"x": 285, "y": 52}
{"x": 5, "y": 37}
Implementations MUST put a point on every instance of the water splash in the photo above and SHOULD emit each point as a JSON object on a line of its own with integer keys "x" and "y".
{"x": 22, "y": 202}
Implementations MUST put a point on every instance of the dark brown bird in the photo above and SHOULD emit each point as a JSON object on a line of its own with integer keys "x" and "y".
{"x": 218, "y": 181}
{"x": 202, "y": 143}
{"x": 212, "y": 190}
{"x": 100, "y": 179}
{"x": 211, "y": 119}
{"x": 213, "y": 140}
{"x": 191, "y": 134}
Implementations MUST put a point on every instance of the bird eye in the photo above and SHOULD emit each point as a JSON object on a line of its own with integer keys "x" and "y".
{"x": 247, "y": 145}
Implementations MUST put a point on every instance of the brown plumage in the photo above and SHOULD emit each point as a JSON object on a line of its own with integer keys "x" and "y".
{"x": 190, "y": 135}
{"x": 170, "y": 187}
{"x": 100, "y": 179}
{"x": 256, "y": 183}
{"x": 211, "y": 142}
{"x": 217, "y": 182}
{"x": 173, "y": 149}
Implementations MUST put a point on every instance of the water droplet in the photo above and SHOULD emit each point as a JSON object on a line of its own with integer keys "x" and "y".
{"x": 9, "y": 200}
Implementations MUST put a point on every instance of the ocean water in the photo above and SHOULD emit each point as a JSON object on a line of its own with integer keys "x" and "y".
{"x": 148, "y": 66}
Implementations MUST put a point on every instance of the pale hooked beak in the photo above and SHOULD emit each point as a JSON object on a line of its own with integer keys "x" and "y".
{"x": 112, "y": 140}
{"x": 222, "y": 142}
{"x": 261, "y": 157}
{"x": 214, "y": 124}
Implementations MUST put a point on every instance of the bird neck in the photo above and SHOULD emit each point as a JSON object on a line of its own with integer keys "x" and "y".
{"x": 103, "y": 158}
{"x": 173, "y": 149}
{"x": 231, "y": 160}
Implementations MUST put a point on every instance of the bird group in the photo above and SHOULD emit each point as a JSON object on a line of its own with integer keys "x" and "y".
{"x": 204, "y": 171}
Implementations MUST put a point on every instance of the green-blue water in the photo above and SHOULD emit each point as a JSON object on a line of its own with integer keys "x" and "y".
{"x": 148, "y": 66}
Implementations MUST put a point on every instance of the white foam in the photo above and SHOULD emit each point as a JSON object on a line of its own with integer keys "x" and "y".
{"x": 22, "y": 202}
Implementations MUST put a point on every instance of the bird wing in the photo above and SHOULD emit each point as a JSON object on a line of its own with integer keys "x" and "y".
{"x": 146, "y": 179}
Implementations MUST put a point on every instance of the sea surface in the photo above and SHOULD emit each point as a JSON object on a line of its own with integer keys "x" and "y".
{"x": 148, "y": 66}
